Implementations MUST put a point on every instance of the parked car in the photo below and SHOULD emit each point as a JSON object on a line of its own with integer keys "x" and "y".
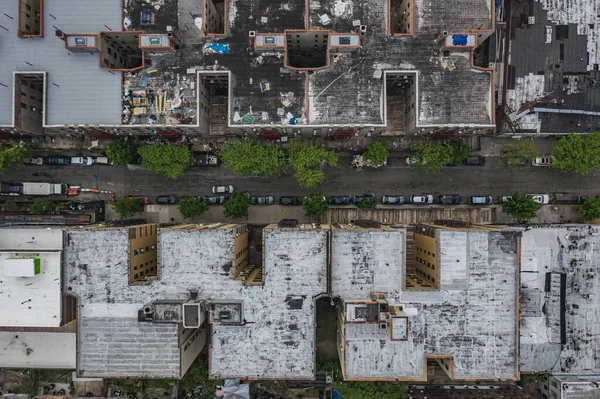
{"x": 57, "y": 160}
{"x": 582, "y": 199}
{"x": 543, "y": 161}
{"x": 144, "y": 199}
{"x": 421, "y": 199}
{"x": 450, "y": 199}
{"x": 264, "y": 200}
{"x": 521, "y": 161}
{"x": 167, "y": 199}
{"x": 541, "y": 199}
{"x": 290, "y": 201}
{"x": 475, "y": 160}
{"x": 213, "y": 199}
{"x": 412, "y": 161}
{"x": 35, "y": 161}
{"x": 11, "y": 188}
{"x": 228, "y": 189}
{"x": 392, "y": 199}
{"x": 505, "y": 198}
{"x": 365, "y": 197}
{"x": 341, "y": 200}
{"x": 102, "y": 160}
{"x": 83, "y": 161}
{"x": 480, "y": 200}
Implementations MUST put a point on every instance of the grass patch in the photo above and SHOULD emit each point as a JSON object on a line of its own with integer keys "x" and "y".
{"x": 165, "y": 384}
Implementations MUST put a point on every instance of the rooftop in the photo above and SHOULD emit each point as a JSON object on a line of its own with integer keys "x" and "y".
{"x": 575, "y": 387}
{"x": 262, "y": 92}
{"x": 473, "y": 317}
{"x": 554, "y": 66}
{"x": 560, "y": 323}
{"x": 33, "y": 300}
{"x": 26, "y": 349}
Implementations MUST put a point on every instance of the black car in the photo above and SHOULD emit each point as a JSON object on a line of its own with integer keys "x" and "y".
{"x": 450, "y": 199}
{"x": 11, "y": 188}
{"x": 213, "y": 199}
{"x": 392, "y": 199}
{"x": 367, "y": 198}
{"x": 342, "y": 200}
{"x": 475, "y": 160}
{"x": 290, "y": 201}
{"x": 167, "y": 199}
{"x": 57, "y": 160}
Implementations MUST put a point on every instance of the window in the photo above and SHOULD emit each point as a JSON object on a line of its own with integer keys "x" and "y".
{"x": 27, "y": 7}
{"x": 23, "y": 105}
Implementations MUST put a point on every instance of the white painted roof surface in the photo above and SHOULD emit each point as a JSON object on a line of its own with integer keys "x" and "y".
{"x": 574, "y": 251}
{"x": 78, "y": 90}
{"x": 32, "y": 301}
{"x": 473, "y": 317}
{"x": 46, "y": 350}
{"x": 25, "y": 239}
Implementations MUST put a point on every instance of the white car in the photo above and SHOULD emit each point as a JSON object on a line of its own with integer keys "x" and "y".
{"x": 505, "y": 198}
{"x": 542, "y": 161}
{"x": 541, "y": 199}
{"x": 82, "y": 161}
{"x": 412, "y": 161}
{"x": 421, "y": 199}
{"x": 228, "y": 189}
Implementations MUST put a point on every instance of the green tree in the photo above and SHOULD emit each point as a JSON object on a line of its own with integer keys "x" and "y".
{"x": 517, "y": 153}
{"x": 370, "y": 389}
{"x": 121, "y": 152}
{"x": 13, "y": 154}
{"x": 432, "y": 156}
{"x": 521, "y": 207}
{"x": 237, "y": 206}
{"x": 41, "y": 206}
{"x": 366, "y": 204}
{"x": 128, "y": 207}
{"x": 577, "y": 153}
{"x": 9, "y": 205}
{"x": 249, "y": 157}
{"x": 307, "y": 161}
{"x": 191, "y": 207}
{"x": 166, "y": 159}
{"x": 315, "y": 205}
{"x": 460, "y": 150}
{"x": 377, "y": 152}
{"x": 590, "y": 209}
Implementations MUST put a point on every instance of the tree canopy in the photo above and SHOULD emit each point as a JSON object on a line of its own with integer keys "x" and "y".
{"x": 377, "y": 152}
{"x": 10, "y": 205}
{"x": 166, "y": 159}
{"x": 121, "y": 152}
{"x": 315, "y": 205}
{"x": 13, "y": 154}
{"x": 366, "y": 204}
{"x": 517, "y": 153}
{"x": 432, "y": 156}
{"x": 41, "y": 206}
{"x": 577, "y": 153}
{"x": 249, "y": 157}
{"x": 237, "y": 206}
{"x": 128, "y": 207}
{"x": 191, "y": 207}
{"x": 521, "y": 207}
{"x": 308, "y": 160}
{"x": 196, "y": 384}
{"x": 590, "y": 209}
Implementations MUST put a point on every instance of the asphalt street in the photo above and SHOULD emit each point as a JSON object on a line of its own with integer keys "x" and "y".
{"x": 395, "y": 179}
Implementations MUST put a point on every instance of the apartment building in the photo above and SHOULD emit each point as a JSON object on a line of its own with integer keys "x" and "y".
{"x": 210, "y": 67}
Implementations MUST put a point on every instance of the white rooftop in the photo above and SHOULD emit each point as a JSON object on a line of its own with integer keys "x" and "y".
{"x": 78, "y": 91}
{"x": 473, "y": 317}
{"x": 37, "y": 350}
{"x": 574, "y": 252}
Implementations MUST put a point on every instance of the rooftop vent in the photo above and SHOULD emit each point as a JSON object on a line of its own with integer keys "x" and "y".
{"x": 193, "y": 314}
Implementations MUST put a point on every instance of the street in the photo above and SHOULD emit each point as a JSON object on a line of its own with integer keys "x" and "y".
{"x": 395, "y": 179}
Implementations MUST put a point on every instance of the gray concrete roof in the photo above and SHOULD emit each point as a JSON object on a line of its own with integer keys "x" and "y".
{"x": 572, "y": 250}
{"x": 278, "y": 341}
{"x": 472, "y": 318}
{"x": 48, "y": 350}
{"x": 78, "y": 91}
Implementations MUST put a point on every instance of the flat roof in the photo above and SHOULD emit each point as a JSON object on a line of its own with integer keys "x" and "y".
{"x": 34, "y": 301}
{"x": 573, "y": 252}
{"x": 37, "y": 350}
{"x": 78, "y": 91}
{"x": 31, "y": 238}
{"x": 349, "y": 92}
{"x": 555, "y": 54}
{"x": 473, "y": 317}
{"x": 278, "y": 340}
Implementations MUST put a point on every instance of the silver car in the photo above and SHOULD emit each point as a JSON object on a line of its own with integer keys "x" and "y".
{"x": 421, "y": 199}
{"x": 228, "y": 189}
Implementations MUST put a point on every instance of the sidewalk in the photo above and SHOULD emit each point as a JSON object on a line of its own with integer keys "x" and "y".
{"x": 491, "y": 146}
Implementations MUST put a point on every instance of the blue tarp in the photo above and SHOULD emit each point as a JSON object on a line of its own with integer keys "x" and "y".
{"x": 216, "y": 48}
{"x": 459, "y": 40}
{"x": 335, "y": 394}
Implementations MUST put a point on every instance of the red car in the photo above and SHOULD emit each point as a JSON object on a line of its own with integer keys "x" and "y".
{"x": 144, "y": 199}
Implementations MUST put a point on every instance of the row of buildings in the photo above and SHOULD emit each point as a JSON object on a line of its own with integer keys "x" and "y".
{"x": 314, "y": 68}
{"x": 482, "y": 302}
